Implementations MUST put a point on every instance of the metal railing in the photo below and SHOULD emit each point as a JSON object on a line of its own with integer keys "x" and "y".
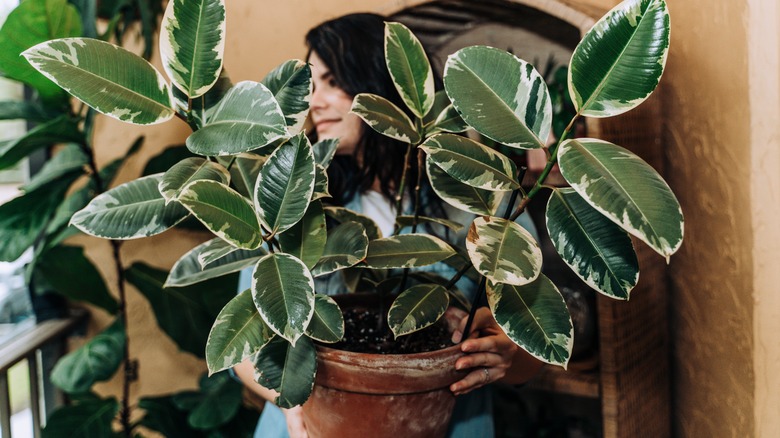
{"x": 28, "y": 345}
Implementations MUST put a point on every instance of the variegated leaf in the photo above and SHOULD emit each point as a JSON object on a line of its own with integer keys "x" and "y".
{"x": 192, "y": 44}
{"x": 324, "y": 151}
{"x": 306, "y": 239}
{"x": 187, "y": 171}
{"x": 188, "y": 269}
{"x": 247, "y": 118}
{"x": 285, "y": 185}
{"x": 244, "y": 172}
{"x": 224, "y": 212}
{"x": 594, "y": 247}
{"x": 283, "y": 291}
{"x": 499, "y": 95}
{"x": 408, "y": 221}
{"x": 132, "y": 210}
{"x": 418, "y": 307}
{"x": 409, "y": 68}
{"x": 503, "y": 251}
{"x": 237, "y": 333}
{"x": 462, "y": 196}
{"x": 320, "y": 184}
{"x": 407, "y": 251}
{"x": 471, "y": 163}
{"x": 327, "y": 324}
{"x": 288, "y": 369}
{"x": 625, "y": 189}
{"x": 535, "y": 317}
{"x": 385, "y": 118}
{"x": 346, "y": 246}
{"x": 619, "y": 62}
{"x": 342, "y": 215}
{"x": 213, "y": 250}
{"x": 108, "y": 78}
{"x": 291, "y": 85}
{"x": 449, "y": 120}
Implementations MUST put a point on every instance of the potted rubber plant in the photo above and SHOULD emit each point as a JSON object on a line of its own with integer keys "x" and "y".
{"x": 258, "y": 184}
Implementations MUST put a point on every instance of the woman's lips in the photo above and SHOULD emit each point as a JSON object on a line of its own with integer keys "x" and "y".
{"x": 323, "y": 125}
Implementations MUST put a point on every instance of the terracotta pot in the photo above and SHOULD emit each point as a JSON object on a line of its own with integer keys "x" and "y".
{"x": 383, "y": 395}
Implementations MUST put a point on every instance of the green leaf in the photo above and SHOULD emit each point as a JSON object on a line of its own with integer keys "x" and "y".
{"x": 407, "y": 251}
{"x": 67, "y": 165}
{"x": 462, "y": 196}
{"x": 244, "y": 172}
{"x": 202, "y": 107}
{"x": 409, "y": 68}
{"x": 320, "y": 184}
{"x": 192, "y": 44}
{"x": 61, "y": 129}
{"x": 288, "y": 369}
{"x": 91, "y": 418}
{"x": 247, "y": 118}
{"x": 132, "y": 210}
{"x": 385, "y": 118}
{"x": 166, "y": 159}
{"x": 408, "y": 221}
{"x": 625, "y": 189}
{"x": 418, "y": 307}
{"x": 306, "y": 239}
{"x": 214, "y": 250}
{"x": 471, "y": 163}
{"x": 324, "y": 151}
{"x": 448, "y": 120}
{"x": 31, "y": 111}
{"x": 217, "y": 402}
{"x": 596, "y": 249}
{"x": 343, "y": 215}
{"x": 189, "y": 270}
{"x": 30, "y": 23}
{"x": 224, "y": 212}
{"x": 291, "y": 85}
{"x": 499, "y": 95}
{"x": 346, "y": 246}
{"x": 285, "y": 185}
{"x": 71, "y": 274}
{"x": 283, "y": 291}
{"x": 237, "y": 333}
{"x": 188, "y": 170}
{"x": 163, "y": 416}
{"x": 95, "y": 361}
{"x": 183, "y": 313}
{"x": 503, "y": 251}
{"x": 535, "y": 317}
{"x": 108, "y": 78}
{"x": 619, "y": 62}
{"x": 327, "y": 323}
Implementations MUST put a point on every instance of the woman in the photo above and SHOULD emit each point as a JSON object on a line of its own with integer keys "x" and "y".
{"x": 347, "y": 57}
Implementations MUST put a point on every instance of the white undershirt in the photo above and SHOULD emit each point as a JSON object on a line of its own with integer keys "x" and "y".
{"x": 376, "y": 206}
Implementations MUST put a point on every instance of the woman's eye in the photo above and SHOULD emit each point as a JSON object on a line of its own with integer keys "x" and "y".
{"x": 332, "y": 82}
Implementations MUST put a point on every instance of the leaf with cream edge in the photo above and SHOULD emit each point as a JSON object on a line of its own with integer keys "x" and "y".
{"x": 407, "y": 251}
{"x": 244, "y": 171}
{"x": 462, "y": 196}
{"x": 418, "y": 307}
{"x": 285, "y": 185}
{"x": 325, "y": 150}
{"x": 192, "y": 44}
{"x": 288, "y": 369}
{"x": 346, "y": 246}
{"x": 385, "y": 118}
{"x": 327, "y": 323}
{"x": 320, "y": 184}
{"x": 409, "y": 68}
{"x": 247, "y": 118}
{"x": 449, "y": 120}
{"x": 624, "y": 188}
{"x": 214, "y": 250}
{"x": 224, "y": 212}
{"x": 188, "y": 170}
{"x": 291, "y": 85}
{"x": 503, "y": 251}
{"x": 129, "y": 211}
{"x": 594, "y": 247}
{"x": 108, "y": 78}
{"x": 535, "y": 317}
{"x": 283, "y": 291}
{"x": 501, "y": 96}
{"x": 407, "y": 221}
{"x": 343, "y": 215}
{"x": 188, "y": 269}
{"x": 471, "y": 163}
{"x": 619, "y": 62}
{"x": 306, "y": 239}
{"x": 237, "y": 333}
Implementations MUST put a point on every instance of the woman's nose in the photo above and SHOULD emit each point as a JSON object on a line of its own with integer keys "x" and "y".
{"x": 317, "y": 100}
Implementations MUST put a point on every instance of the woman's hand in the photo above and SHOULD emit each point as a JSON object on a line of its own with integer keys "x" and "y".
{"x": 491, "y": 355}
{"x": 295, "y": 426}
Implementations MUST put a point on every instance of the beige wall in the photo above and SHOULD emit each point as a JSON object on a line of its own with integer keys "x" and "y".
{"x": 722, "y": 106}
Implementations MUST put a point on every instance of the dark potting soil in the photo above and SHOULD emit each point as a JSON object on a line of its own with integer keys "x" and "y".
{"x": 362, "y": 335}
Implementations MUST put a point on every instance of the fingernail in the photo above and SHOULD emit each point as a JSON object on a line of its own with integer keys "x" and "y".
{"x": 456, "y": 336}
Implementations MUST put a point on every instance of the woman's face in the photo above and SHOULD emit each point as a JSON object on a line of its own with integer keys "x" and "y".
{"x": 330, "y": 107}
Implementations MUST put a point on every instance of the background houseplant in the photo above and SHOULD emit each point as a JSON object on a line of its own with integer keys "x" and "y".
{"x": 511, "y": 107}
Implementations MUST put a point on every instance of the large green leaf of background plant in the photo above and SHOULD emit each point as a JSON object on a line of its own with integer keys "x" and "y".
{"x": 291, "y": 85}
{"x": 91, "y": 418}
{"x": 216, "y": 403}
{"x": 385, "y": 117}
{"x": 462, "y": 196}
{"x": 288, "y": 369}
{"x": 283, "y": 291}
{"x": 499, "y": 95}
{"x": 108, "y": 78}
{"x": 596, "y": 249}
{"x": 62, "y": 129}
{"x": 247, "y": 118}
{"x": 31, "y": 23}
{"x": 503, "y": 251}
{"x": 189, "y": 269}
{"x": 418, "y": 307}
{"x": 132, "y": 210}
{"x": 192, "y": 43}
{"x": 95, "y": 361}
{"x": 306, "y": 239}
{"x": 69, "y": 161}
{"x": 409, "y": 67}
{"x": 471, "y": 163}
{"x": 407, "y": 251}
{"x": 625, "y": 189}
{"x": 535, "y": 317}
{"x": 620, "y": 60}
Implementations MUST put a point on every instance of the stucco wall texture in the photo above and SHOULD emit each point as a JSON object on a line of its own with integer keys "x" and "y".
{"x": 722, "y": 140}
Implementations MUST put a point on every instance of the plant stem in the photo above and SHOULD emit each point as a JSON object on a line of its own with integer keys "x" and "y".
{"x": 130, "y": 368}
